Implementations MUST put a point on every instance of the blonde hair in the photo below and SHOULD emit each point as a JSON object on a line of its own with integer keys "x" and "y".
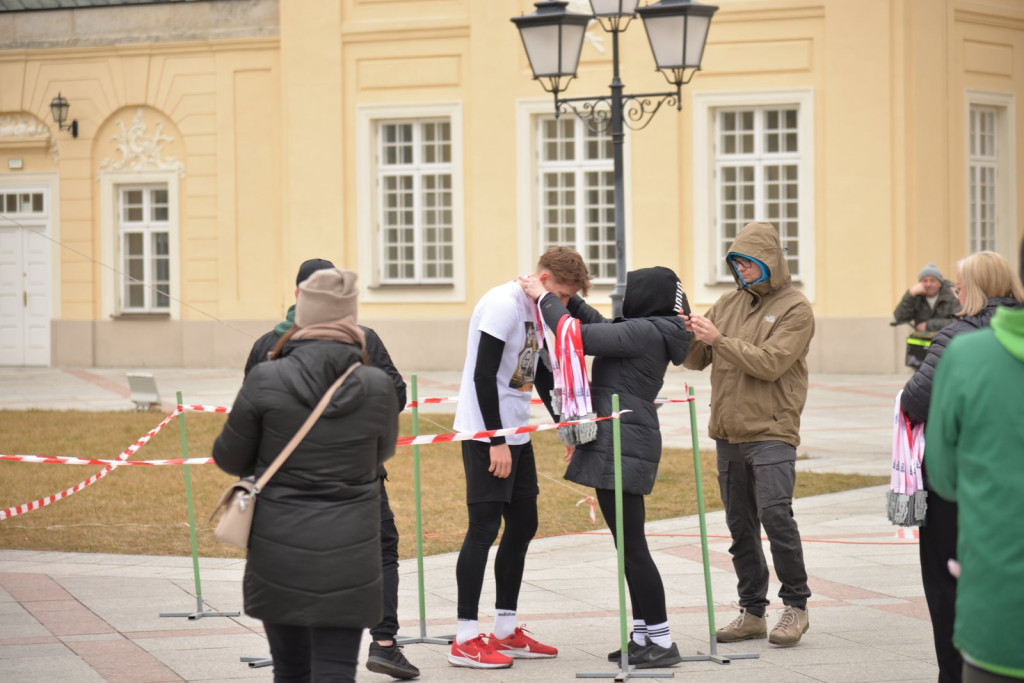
{"x": 986, "y": 275}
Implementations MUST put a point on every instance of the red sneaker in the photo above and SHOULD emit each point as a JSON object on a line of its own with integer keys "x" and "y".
{"x": 521, "y": 645}
{"x": 477, "y": 654}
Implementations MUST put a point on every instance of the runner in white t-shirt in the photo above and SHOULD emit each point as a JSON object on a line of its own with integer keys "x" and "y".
{"x": 501, "y": 475}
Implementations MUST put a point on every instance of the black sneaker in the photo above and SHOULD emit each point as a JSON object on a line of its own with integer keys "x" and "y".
{"x": 632, "y": 648}
{"x": 390, "y": 661}
{"x": 655, "y": 656}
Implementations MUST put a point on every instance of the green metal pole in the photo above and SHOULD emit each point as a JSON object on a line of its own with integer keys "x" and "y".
{"x": 419, "y": 508}
{"x": 617, "y": 445}
{"x": 700, "y": 513}
{"x": 191, "y": 511}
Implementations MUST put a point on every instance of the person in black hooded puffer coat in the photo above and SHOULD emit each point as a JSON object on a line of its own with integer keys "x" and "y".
{"x": 631, "y": 356}
{"x": 984, "y": 282}
{"x": 313, "y": 570}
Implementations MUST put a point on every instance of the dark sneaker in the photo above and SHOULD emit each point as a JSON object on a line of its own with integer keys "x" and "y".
{"x": 632, "y": 648}
{"x": 655, "y": 656}
{"x": 743, "y": 627}
{"x": 793, "y": 624}
{"x": 390, "y": 661}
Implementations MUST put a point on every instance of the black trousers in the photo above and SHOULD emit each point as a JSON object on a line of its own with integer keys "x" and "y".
{"x": 485, "y": 519}
{"x": 646, "y": 590}
{"x": 313, "y": 654}
{"x": 757, "y": 481}
{"x": 973, "y": 674}
{"x": 388, "y": 626}
{"x": 938, "y": 545}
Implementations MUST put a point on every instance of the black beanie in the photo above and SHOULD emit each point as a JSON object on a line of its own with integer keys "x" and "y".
{"x": 309, "y": 267}
{"x": 653, "y": 292}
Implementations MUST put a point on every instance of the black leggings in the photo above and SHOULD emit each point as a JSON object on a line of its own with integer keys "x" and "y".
{"x": 322, "y": 654}
{"x": 484, "y": 522}
{"x": 646, "y": 591}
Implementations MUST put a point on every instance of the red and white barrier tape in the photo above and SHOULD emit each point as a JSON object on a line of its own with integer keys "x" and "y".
{"x": 204, "y": 409}
{"x": 127, "y": 453}
{"x": 533, "y": 401}
{"x": 54, "y": 460}
{"x": 468, "y": 436}
{"x": 589, "y": 499}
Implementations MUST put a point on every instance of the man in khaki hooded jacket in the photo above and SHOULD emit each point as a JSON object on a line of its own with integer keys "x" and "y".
{"x": 756, "y": 339}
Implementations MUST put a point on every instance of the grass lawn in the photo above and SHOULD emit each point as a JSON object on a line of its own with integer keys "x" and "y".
{"x": 142, "y": 510}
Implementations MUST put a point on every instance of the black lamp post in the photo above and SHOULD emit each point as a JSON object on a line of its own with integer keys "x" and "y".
{"x": 677, "y": 31}
{"x": 59, "y": 110}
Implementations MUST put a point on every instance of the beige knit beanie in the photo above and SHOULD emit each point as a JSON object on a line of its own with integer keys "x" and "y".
{"x": 327, "y": 295}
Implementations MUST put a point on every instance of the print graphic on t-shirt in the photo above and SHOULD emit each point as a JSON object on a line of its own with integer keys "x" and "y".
{"x": 526, "y": 367}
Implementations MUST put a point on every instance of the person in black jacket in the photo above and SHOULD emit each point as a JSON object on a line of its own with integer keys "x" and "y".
{"x": 984, "y": 282}
{"x": 631, "y": 356}
{"x": 930, "y": 304}
{"x": 385, "y": 655}
{"x": 313, "y": 571}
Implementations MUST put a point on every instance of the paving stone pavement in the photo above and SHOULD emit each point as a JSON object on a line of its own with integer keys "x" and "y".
{"x": 87, "y": 617}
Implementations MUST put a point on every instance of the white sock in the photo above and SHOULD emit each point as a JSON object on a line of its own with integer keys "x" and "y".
{"x": 504, "y": 623}
{"x": 659, "y": 634}
{"x": 468, "y": 630}
{"x": 640, "y": 632}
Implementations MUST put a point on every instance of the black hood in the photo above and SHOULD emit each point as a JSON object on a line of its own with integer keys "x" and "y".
{"x": 653, "y": 292}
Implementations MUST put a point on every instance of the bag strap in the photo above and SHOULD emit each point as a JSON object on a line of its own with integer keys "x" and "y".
{"x": 303, "y": 430}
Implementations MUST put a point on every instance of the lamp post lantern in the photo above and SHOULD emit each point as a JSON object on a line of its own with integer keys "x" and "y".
{"x": 677, "y": 31}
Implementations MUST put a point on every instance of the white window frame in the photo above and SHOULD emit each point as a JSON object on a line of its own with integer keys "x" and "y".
{"x": 146, "y": 228}
{"x": 1004, "y": 105}
{"x": 368, "y": 207}
{"x": 528, "y": 114}
{"x": 113, "y": 304}
{"x": 708, "y": 286}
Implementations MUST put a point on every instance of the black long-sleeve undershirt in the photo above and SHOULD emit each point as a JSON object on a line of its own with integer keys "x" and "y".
{"x": 485, "y": 379}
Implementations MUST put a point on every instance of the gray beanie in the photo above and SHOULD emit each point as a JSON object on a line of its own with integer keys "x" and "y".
{"x": 931, "y": 270}
{"x": 327, "y": 295}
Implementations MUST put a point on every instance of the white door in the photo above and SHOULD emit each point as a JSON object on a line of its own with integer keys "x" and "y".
{"x": 24, "y": 278}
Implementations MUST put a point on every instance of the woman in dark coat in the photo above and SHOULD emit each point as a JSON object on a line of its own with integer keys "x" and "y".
{"x": 313, "y": 573}
{"x": 984, "y": 282}
{"x": 631, "y": 356}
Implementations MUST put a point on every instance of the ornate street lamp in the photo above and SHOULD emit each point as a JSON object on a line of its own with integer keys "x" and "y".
{"x": 59, "y": 110}
{"x": 677, "y": 31}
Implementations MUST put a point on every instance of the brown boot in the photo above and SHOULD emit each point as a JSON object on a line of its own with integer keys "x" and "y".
{"x": 743, "y": 627}
{"x": 793, "y": 624}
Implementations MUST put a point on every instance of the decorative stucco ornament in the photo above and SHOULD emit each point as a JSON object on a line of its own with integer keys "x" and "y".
{"x": 139, "y": 151}
{"x": 27, "y": 126}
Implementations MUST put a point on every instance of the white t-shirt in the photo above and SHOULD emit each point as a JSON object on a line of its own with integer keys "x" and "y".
{"x": 508, "y": 314}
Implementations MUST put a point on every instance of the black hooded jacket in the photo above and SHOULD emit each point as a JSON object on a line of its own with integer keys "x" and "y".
{"x": 314, "y": 552}
{"x": 631, "y": 355}
{"x": 917, "y": 393}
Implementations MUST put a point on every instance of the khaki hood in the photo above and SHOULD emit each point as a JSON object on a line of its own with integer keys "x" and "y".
{"x": 761, "y": 241}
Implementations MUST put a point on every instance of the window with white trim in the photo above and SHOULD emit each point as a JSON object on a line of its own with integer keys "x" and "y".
{"x": 576, "y": 192}
{"x": 143, "y": 224}
{"x": 415, "y": 219}
{"x": 982, "y": 169}
{"x": 757, "y": 177}
{"x": 753, "y": 160}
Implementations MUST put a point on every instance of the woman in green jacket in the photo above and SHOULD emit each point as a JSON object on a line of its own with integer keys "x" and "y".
{"x": 975, "y": 437}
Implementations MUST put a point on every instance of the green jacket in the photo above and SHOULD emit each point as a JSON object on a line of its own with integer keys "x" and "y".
{"x": 915, "y": 309}
{"x": 975, "y": 456}
{"x": 759, "y": 363}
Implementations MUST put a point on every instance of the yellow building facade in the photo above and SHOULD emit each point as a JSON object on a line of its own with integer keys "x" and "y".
{"x": 222, "y": 143}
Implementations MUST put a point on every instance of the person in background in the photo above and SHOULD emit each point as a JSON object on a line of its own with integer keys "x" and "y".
{"x": 930, "y": 304}
{"x": 756, "y": 340}
{"x": 973, "y": 442}
{"x": 984, "y": 282}
{"x": 385, "y": 655}
{"x": 631, "y": 356}
{"x": 501, "y": 475}
{"x": 313, "y": 571}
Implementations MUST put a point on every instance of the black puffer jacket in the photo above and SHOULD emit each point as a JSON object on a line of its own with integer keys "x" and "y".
{"x": 917, "y": 393}
{"x": 314, "y": 552}
{"x": 630, "y": 359}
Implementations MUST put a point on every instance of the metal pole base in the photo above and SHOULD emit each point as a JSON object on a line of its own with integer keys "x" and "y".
{"x": 626, "y": 675}
{"x": 413, "y": 640}
{"x": 192, "y": 616}
{"x": 256, "y": 662}
{"x": 714, "y": 655}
